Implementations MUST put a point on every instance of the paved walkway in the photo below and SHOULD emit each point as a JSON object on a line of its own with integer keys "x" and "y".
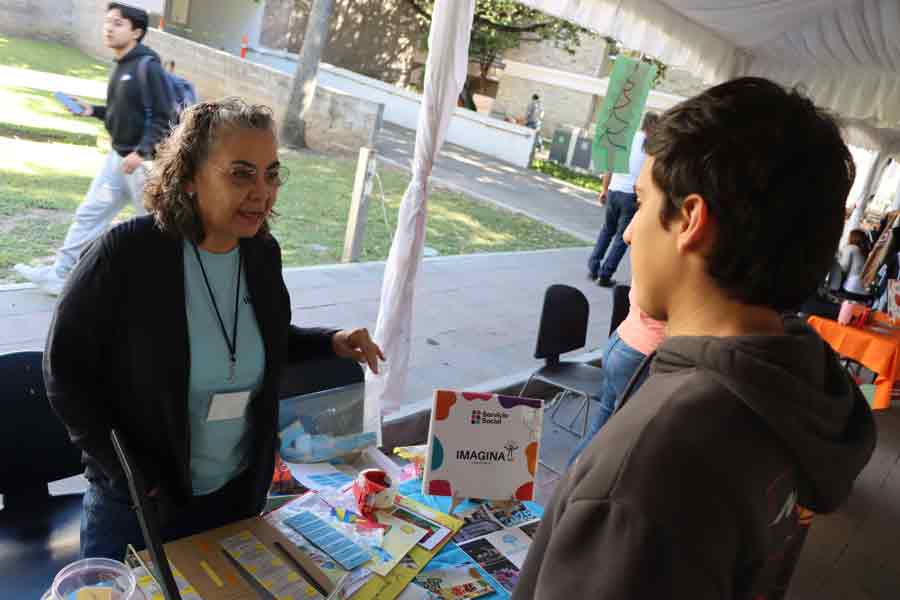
{"x": 566, "y": 207}
{"x": 476, "y": 317}
{"x": 51, "y": 82}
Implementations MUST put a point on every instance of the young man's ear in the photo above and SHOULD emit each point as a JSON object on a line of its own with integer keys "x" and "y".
{"x": 696, "y": 228}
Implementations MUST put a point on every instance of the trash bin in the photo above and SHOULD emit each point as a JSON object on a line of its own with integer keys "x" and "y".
{"x": 559, "y": 147}
{"x": 581, "y": 158}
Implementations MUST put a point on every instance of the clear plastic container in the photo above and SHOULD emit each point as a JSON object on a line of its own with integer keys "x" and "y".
{"x": 101, "y": 573}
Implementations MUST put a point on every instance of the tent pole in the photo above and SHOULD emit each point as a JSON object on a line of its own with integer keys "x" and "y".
{"x": 873, "y": 177}
{"x": 895, "y": 205}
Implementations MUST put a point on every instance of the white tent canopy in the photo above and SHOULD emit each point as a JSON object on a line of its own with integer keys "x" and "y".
{"x": 846, "y": 53}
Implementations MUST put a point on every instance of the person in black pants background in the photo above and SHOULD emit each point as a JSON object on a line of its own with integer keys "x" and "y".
{"x": 621, "y": 203}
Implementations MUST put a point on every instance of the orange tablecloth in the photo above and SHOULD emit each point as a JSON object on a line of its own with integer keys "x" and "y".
{"x": 879, "y": 352}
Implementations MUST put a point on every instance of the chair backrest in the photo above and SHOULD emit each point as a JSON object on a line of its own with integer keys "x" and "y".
{"x": 564, "y": 322}
{"x": 33, "y": 442}
{"x": 621, "y": 306}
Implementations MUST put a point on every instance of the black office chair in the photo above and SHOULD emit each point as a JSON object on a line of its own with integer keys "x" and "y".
{"x": 39, "y": 533}
{"x": 563, "y": 328}
{"x": 621, "y": 306}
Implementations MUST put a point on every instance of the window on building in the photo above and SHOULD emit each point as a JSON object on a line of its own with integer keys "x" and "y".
{"x": 179, "y": 10}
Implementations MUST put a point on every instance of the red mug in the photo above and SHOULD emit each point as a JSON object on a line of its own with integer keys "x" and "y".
{"x": 373, "y": 490}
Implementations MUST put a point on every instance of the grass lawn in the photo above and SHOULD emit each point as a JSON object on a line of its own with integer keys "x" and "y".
{"x": 314, "y": 205}
{"x": 558, "y": 171}
{"x": 36, "y": 115}
{"x": 44, "y": 182}
{"x": 48, "y": 158}
{"x": 51, "y": 58}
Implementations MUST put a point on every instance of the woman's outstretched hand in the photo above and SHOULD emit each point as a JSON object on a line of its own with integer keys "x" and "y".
{"x": 356, "y": 344}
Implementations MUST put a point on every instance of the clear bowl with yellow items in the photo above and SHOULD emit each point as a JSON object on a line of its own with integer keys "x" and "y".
{"x": 94, "y": 579}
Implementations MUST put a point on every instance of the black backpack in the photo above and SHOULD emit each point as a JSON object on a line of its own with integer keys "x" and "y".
{"x": 180, "y": 92}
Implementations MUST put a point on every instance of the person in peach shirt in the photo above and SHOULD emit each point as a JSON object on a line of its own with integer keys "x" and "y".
{"x": 636, "y": 338}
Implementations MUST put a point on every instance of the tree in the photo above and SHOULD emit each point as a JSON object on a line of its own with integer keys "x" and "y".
{"x": 501, "y": 25}
{"x": 293, "y": 130}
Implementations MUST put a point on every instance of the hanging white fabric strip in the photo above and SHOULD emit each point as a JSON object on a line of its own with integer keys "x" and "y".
{"x": 845, "y": 53}
{"x": 445, "y": 75}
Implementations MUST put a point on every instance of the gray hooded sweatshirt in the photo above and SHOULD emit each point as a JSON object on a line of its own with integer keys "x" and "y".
{"x": 704, "y": 483}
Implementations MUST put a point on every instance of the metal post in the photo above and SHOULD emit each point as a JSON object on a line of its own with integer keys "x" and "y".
{"x": 896, "y": 203}
{"x": 359, "y": 205}
{"x": 872, "y": 179}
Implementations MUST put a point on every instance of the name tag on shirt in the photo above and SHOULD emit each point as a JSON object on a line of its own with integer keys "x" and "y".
{"x": 225, "y": 406}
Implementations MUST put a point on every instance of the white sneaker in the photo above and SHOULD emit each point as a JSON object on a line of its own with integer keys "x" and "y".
{"x": 43, "y": 277}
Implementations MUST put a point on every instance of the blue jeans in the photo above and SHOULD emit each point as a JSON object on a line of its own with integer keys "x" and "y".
{"x": 620, "y": 361}
{"x": 109, "y": 522}
{"x": 620, "y": 209}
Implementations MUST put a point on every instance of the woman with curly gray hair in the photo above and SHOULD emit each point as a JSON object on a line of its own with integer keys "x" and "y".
{"x": 174, "y": 329}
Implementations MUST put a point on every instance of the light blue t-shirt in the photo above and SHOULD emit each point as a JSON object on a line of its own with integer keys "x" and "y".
{"x": 219, "y": 449}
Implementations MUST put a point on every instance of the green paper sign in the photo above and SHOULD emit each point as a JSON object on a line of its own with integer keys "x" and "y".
{"x": 620, "y": 118}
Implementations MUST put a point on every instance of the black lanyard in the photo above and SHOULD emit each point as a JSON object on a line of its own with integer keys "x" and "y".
{"x": 231, "y": 343}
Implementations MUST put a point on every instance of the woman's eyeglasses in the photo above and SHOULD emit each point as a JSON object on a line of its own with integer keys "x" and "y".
{"x": 245, "y": 176}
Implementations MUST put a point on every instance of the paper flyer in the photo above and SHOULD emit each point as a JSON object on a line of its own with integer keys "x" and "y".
{"x": 394, "y": 584}
{"x": 319, "y": 476}
{"x": 511, "y": 543}
{"x": 437, "y": 533}
{"x": 270, "y": 571}
{"x": 511, "y": 514}
{"x": 399, "y": 540}
{"x": 148, "y": 586}
{"x": 483, "y": 446}
{"x": 416, "y": 592}
{"x": 493, "y": 562}
{"x": 456, "y": 583}
{"x": 344, "y": 550}
{"x": 332, "y": 570}
{"x": 530, "y": 529}
{"x": 477, "y": 522}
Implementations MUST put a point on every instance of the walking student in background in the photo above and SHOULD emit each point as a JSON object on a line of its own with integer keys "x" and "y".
{"x": 534, "y": 119}
{"x": 134, "y": 132}
{"x": 621, "y": 203}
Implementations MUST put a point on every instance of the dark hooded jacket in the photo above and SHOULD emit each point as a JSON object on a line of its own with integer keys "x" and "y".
{"x": 125, "y": 117}
{"x": 704, "y": 482}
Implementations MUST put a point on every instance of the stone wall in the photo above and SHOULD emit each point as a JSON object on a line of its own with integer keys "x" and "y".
{"x": 385, "y": 52}
{"x": 219, "y": 24}
{"x": 76, "y": 23}
{"x": 587, "y": 60}
{"x": 336, "y": 120}
{"x": 49, "y": 20}
{"x": 87, "y": 26}
{"x": 562, "y": 106}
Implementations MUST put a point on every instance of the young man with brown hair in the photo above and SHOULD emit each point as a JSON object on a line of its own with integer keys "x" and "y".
{"x": 698, "y": 486}
{"x": 134, "y": 130}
